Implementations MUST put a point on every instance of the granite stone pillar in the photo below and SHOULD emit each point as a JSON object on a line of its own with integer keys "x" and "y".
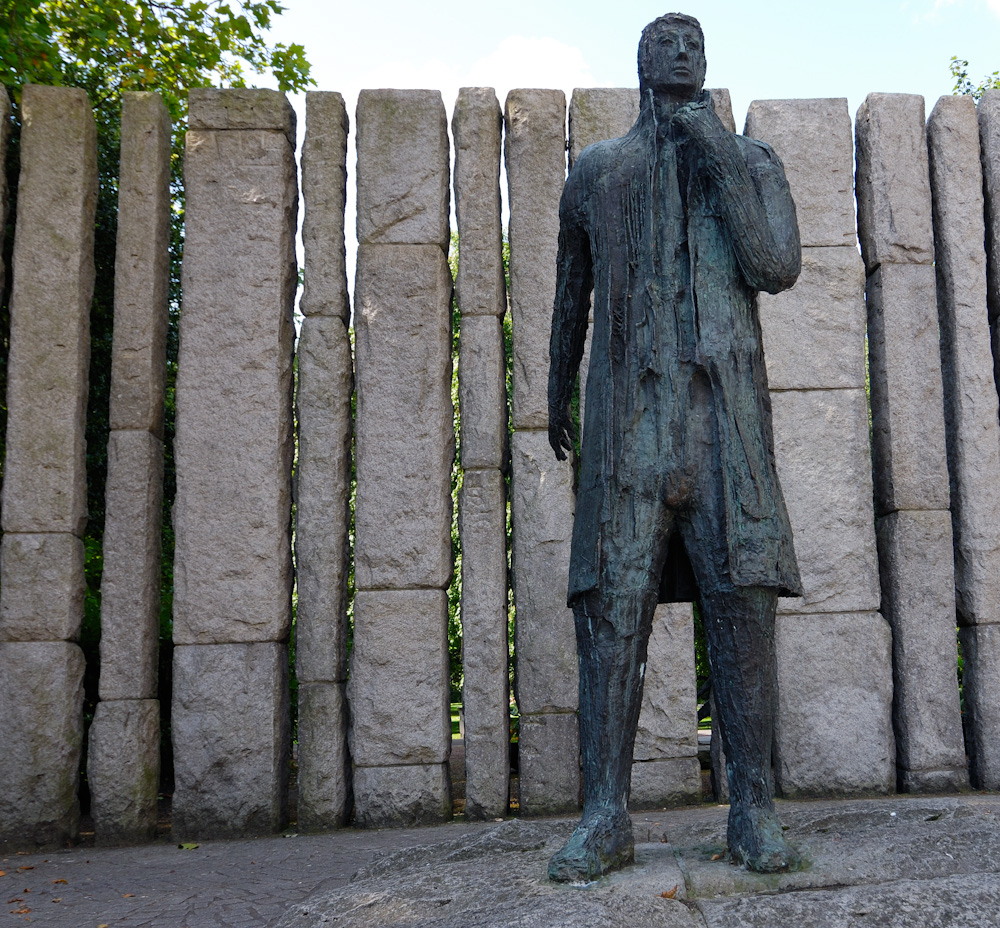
{"x": 908, "y": 437}
{"x": 123, "y": 760}
{"x": 482, "y": 384}
{"x": 5, "y": 128}
{"x": 233, "y": 452}
{"x": 970, "y": 404}
{"x": 814, "y": 346}
{"x": 988, "y": 111}
{"x": 665, "y": 767}
{"x": 546, "y": 676}
{"x": 400, "y": 734}
{"x": 45, "y": 477}
{"x": 323, "y": 473}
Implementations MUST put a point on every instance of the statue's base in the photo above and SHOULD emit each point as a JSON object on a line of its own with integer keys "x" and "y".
{"x": 889, "y": 862}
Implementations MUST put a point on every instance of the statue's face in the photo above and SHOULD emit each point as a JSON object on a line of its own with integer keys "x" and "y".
{"x": 675, "y": 63}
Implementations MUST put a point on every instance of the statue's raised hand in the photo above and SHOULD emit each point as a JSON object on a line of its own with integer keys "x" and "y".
{"x": 698, "y": 122}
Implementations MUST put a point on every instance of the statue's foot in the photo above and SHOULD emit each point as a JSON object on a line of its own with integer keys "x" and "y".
{"x": 757, "y": 841}
{"x": 602, "y": 842}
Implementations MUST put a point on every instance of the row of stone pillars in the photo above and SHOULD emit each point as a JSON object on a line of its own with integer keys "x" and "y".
{"x": 868, "y": 699}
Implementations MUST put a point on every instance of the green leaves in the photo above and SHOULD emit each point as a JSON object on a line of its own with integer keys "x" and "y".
{"x": 110, "y": 46}
{"x": 959, "y": 69}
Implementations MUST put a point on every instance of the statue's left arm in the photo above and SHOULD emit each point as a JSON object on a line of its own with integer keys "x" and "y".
{"x": 753, "y": 194}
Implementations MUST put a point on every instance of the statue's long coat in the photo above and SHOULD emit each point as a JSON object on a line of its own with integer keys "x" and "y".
{"x": 674, "y": 290}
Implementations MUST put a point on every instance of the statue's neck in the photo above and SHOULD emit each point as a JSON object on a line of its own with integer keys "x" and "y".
{"x": 661, "y": 106}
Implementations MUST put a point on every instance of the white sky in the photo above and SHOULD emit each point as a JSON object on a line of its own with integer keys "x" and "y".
{"x": 759, "y": 50}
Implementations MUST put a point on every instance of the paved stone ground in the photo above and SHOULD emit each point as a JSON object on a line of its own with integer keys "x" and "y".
{"x": 899, "y": 861}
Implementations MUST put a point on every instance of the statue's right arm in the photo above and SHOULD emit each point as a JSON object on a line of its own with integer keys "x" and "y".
{"x": 574, "y": 283}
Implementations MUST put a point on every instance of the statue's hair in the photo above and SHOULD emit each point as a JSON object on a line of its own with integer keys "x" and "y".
{"x": 668, "y": 19}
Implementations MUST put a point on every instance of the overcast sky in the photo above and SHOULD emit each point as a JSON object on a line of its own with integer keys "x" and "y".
{"x": 759, "y": 50}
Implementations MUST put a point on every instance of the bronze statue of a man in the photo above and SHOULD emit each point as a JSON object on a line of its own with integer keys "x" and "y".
{"x": 674, "y": 228}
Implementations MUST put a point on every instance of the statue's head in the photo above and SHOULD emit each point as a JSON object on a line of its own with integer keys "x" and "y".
{"x": 672, "y": 57}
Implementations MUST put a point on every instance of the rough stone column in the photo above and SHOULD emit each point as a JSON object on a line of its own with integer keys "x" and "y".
{"x": 400, "y": 734}
{"x": 5, "y": 127}
{"x": 123, "y": 762}
{"x": 908, "y": 431}
{"x": 323, "y": 474}
{"x": 665, "y": 767}
{"x": 970, "y": 403}
{"x": 45, "y": 477}
{"x": 989, "y": 142}
{"x": 546, "y": 675}
{"x": 482, "y": 300}
{"x": 834, "y": 725}
{"x": 232, "y": 515}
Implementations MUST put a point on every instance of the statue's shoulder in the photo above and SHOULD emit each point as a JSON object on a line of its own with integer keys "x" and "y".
{"x": 756, "y": 153}
{"x": 600, "y": 157}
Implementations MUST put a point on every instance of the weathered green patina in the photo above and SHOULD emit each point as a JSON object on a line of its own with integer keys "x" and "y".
{"x": 674, "y": 229}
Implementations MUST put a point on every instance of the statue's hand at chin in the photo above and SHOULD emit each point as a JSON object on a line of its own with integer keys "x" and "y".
{"x": 697, "y": 121}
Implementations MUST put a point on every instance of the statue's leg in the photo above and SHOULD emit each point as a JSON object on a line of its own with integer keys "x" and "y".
{"x": 612, "y": 629}
{"x": 739, "y": 627}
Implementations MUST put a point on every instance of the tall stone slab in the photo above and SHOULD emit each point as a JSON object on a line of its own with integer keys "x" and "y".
{"x": 908, "y": 437}
{"x": 233, "y": 452}
{"x": 45, "y": 481}
{"x": 988, "y": 112}
{"x": 400, "y": 734}
{"x": 485, "y": 687}
{"x": 5, "y": 128}
{"x": 970, "y": 396}
{"x": 665, "y": 767}
{"x": 41, "y": 695}
{"x": 482, "y": 391}
{"x": 477, "y": 127}
{"x": 323, "y": 471}
{"x": 814, "y": 346}
{"x": 231, "y": 734}
{"x": 535, "y": 155}
{"x": 545, "y": 677}
{"x": 124, "y": 756}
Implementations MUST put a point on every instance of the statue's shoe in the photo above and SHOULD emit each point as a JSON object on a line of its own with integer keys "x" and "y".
{"x": 602, "y": 842}
{"x": 757, "y": 841}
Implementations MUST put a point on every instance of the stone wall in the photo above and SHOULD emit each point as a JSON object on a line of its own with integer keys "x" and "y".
{"x": 868, "y": 698}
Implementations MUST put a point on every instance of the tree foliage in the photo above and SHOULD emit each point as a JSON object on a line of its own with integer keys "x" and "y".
{"x": 111, "y": 46}
{"x": 959, "y": 68}
{"x": 108, "y": 47}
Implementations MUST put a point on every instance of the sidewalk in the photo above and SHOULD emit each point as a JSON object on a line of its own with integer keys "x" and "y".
{"x": 898, "y": 861}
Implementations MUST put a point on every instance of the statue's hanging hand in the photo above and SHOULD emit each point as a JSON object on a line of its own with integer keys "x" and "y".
{"x": 562, "y": 433}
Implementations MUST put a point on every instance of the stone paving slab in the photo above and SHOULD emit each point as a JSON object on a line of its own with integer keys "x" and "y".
{"x": 894, "y": 863}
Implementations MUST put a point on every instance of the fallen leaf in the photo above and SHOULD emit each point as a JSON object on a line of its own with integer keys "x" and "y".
{"x": 127, "y": 895}
{"x": 670, "y": 893}
{"x": 716, "y": 857}
{"x": 103, "y": 925}
{"x": 185, "y": 847}
{"x": 58, "y": 900}
{"x": 23, "y": 911}
{"x": 58, "y": 881}
{"x": 26, "y": 868}
{"x": 15, "y": 899}
{"x": 3, "y": 872}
